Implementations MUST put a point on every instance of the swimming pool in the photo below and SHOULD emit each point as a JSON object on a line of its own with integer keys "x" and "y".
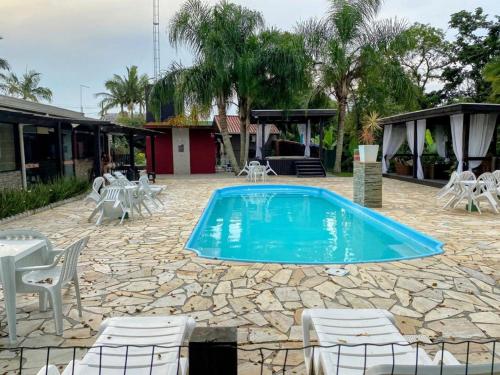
{"x": 301, "y": 225}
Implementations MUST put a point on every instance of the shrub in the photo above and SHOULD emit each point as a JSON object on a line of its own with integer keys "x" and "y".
{"x": 13, "y": 201}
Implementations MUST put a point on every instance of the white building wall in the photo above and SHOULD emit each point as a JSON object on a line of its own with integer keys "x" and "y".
{"x": 180, "y": 145}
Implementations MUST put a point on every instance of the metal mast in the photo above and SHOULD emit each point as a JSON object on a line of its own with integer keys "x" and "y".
{"x": 156, "y": 39}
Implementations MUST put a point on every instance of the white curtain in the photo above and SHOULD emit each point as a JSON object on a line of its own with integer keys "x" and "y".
{"x": 307, "y": 150}
{"x": 258, "y": 143}
{"x": 457, "y": 130}
{"x": 302, "y": 133}
{"x": 482, "y": 127}
{"x": 393, "y": 139}
{"x": 440, "y": 139}
{"x": 267, "y": 133}
{"x": 421, "y": 126}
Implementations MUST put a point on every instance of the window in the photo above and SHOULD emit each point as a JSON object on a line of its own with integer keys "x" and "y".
{"x": 7, "y": 148}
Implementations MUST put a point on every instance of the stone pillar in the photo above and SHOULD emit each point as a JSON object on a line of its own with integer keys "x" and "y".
{"x": 367, "y": 183}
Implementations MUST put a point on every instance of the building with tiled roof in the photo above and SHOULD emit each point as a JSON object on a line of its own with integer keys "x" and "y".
{"x": 233, "y": 125}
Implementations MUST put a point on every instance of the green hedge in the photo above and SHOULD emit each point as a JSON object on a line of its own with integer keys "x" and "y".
{"x": 13, "y": 201}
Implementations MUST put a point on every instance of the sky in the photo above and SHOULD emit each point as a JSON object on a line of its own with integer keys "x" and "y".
{"x": 85, "y": 42}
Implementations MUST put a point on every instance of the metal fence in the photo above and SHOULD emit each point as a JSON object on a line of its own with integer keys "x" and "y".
{"x": 269, "y": 358}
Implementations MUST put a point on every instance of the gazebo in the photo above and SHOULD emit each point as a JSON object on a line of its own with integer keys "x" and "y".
{"x": 301, "y": 165}
{"x": 468, "y": 130}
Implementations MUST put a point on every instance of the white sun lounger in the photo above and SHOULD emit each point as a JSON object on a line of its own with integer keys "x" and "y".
{"x": 340, "y": 328}
{"x": 147, "y": 345}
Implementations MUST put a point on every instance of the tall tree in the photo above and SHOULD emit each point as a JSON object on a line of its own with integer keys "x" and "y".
{"x": 27, "y": 87}
{"x": 272, "y": 70}
{"x": 214, "y": 34}
{"x": 3, "y": 63}
{"x": 124, "y": 91}
{"x": 426, "y": 54}
{"x": 340, "y": 45}
{"x": 476, "y": 43}
{"x": 491, "y": 74}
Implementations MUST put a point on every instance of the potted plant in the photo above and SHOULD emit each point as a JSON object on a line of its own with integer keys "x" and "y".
{"x": 368, "y": 150}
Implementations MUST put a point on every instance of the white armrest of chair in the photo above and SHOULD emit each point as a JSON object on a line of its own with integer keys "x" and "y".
{"x": 44, "y": 267}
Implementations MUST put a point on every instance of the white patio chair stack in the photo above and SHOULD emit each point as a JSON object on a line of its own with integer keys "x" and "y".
{"x": 448, "y": 188}
{"x": 486, "y": 189}
{"x": 151, "y": 192}
{"x": 110, "y": 178}
{"x": 354, "y": 340}
{"x": 50, "y": 279}
{"x": 111, "y": 205}
{"x": 460, "y": 192}
{"x": 496, "y": 174}
{"x": 135, "y": 345}
{"x": 95, "y": 194}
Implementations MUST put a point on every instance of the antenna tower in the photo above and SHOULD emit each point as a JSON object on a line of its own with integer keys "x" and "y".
{"x": 156, "y": 39}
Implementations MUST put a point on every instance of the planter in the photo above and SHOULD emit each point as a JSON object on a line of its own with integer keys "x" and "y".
{"x": 368, "y": 153}
{"x": 403, "y": 169}
{"x": 429, "y": 171}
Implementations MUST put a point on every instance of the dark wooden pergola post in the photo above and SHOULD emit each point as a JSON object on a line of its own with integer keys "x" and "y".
{"x": 98, "y": 151}
{"x": 415, "y": 153}
{"x": 321, "y": 139}
{"x": 263, "y": 148}
{"x": 131, "y": 154}
{"x": 153, "y": 155}
{"x": 59, "y": 150}
{"x": 465, "y": 144}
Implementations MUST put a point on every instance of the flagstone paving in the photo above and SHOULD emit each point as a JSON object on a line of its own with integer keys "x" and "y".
{"x": 142, "y": 268}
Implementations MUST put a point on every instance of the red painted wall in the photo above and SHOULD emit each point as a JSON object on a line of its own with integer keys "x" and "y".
{"x": 203, "y": 150}
{"x": 163, "y": 151}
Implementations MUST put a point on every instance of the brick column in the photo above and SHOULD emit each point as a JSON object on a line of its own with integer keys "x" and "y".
{"x": 367, "y": 183}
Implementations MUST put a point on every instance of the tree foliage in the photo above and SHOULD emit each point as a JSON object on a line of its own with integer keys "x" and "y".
{"x": 491, "y": 74}
{"x": 476, "y": 43}
{"x": 3, "y": 62}
{"x": 125, "y": 91}
{"x": 25, "y": 87}
{"x": 343, "y": 46}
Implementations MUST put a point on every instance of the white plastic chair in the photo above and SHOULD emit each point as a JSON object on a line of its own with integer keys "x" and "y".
{"x": 159, "y": 338}
{"x": 110, "y": 178}
{"x": 339, "y": 328}
{"x": 459, "y": 191}
{"x": 448, "y": 188}
{"x": 95, "y": 195}
{"x": 259, "y": 172}
{"x": 496, "y": 174}
{"x": 43, "y": 257}
{"x": 111, "y": 205}
{"x": 50, "y": 279}
{"x": 151, "y": 192}
{"x": 269, "y": 169}
{"x": 487, "y": 190}
{"x": 244, "y": 169}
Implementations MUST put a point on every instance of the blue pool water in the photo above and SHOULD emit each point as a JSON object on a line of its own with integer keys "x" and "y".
{"x": 302, "y": 225}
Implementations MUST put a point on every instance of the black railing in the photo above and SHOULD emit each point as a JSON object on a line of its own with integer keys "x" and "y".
{"x": 262, "y": 356}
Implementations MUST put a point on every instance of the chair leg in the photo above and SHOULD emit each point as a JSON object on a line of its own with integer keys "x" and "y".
{"x": 55, "y": 295}
{"x": 77, "y": 292}
{"x": 42, "y": 301}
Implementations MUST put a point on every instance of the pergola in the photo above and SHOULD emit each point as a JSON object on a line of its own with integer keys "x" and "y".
{"x": 473, "y": 126}
{"x": 303, "y": 117}
{"x": 21, "y": 113}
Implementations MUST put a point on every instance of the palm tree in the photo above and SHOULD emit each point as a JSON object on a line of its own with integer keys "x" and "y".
{"x": 271, "y": 71}
{"x": 342, "y": 45}
{"x": 27, "y": 87}
{"x": 211, "y": 32}
{"x": 128, "y": 91}
{"x": 3, "y": 63}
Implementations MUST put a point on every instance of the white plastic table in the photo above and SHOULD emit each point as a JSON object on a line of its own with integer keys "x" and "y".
{"x": 11, "y": 252}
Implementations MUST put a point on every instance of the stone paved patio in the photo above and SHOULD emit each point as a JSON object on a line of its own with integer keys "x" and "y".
{"x": 142, "y": 267}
